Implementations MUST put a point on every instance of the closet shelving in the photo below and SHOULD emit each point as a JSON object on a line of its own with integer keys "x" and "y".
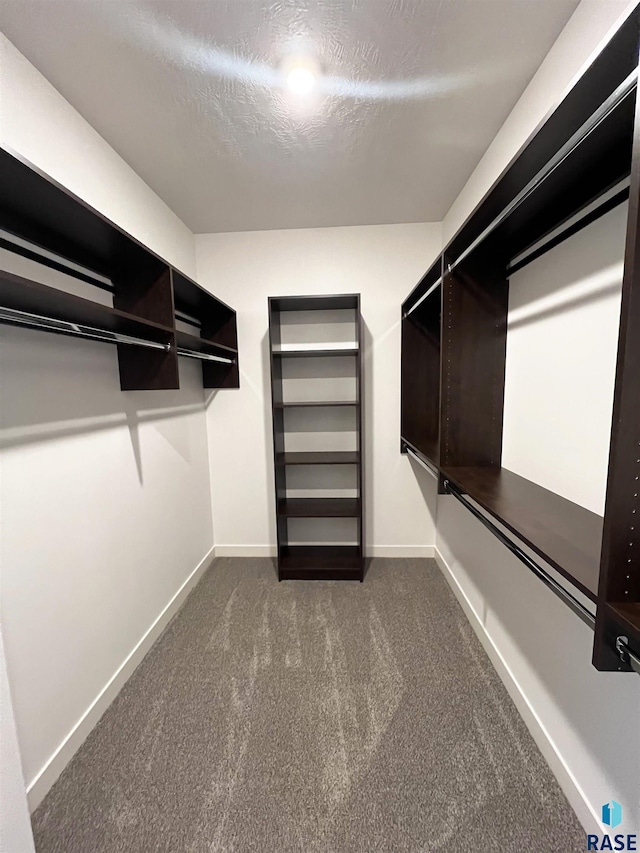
{"x": 297, "y": 560}
{"x": 581, "y": 162}
{"x": 153, "y": 303}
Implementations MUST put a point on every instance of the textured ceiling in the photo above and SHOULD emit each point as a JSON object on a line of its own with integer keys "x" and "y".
{"x": 190, "y": 93}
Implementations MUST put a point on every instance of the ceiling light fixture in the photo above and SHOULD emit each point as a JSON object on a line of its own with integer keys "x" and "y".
{"x": 301, "y": 80}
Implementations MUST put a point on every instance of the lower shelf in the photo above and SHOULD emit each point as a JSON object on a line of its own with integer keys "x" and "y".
{"x": 320, "y": 562}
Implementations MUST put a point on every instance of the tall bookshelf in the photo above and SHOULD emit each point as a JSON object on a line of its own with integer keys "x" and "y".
{"x": 316, "y": 390}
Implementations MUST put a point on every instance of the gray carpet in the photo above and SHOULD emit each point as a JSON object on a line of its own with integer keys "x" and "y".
{"x": 316, "y": 718}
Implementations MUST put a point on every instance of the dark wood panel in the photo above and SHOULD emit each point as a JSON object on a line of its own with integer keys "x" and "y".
{"x": 319, "y": 507}
{"x": 320, "y": 562}
{"x": 216, "y": 375}
{"x": 304, "y": 404}
{"x": 620, "y": 567}
{"x": 322, "y": 457}
{"x": 148, "y": 370}
{"x": 428, "y": 279}
{"x": 150, "y": 298}
{"x": 328, "y": 302}
{"x": 420, "y": 384}
{"x": 566, "y": 535}
{"x": 475, "y": 303}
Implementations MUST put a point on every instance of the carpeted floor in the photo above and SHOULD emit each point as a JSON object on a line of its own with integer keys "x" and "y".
{"x": 315, "y": 717}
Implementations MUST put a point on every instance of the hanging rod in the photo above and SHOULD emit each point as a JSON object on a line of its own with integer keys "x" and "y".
{"x": 433, "y": 287}
{"x": 591, "y": 213}
{"x": 424, "y": 464}
{"x": 626, "y": 655}
{"x": 603, "y": 111}
{"x": 203, "y": 356}
{"x": 579, "y": 609}
{"x": 51, "y": 324}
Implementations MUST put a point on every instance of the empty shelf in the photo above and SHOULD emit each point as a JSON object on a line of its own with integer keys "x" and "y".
{"x": 566, "y": 535}
{"x": 319, "y": 507}
{"x": 323, "y": 562}
{"x": 21, "y": 294}
{"x": 315, "y": 353}
{"x": 197, "y": 344}
{"x": 303, "y": 404}
{"x": 319, "y": 457}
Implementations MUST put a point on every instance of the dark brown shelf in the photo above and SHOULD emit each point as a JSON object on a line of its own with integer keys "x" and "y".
{"x": 331, "y": 301}
{"x": 319, "y": 507}
{"x": 198, "y": 344}
{"x": 315, "y": 403}
{"x": 627, "y": 616}
{"x": 319, "y": 457}
{"x": 320, "y": 562}
{"x": 564, "y": 534}
{"x": 315, "y": 353}
{"x": 22, "y": 294}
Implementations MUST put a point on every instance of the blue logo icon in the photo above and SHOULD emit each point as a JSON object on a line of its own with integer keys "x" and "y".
{"x": 612, "y": 814}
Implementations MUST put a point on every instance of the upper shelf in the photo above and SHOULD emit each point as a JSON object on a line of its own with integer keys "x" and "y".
{"x": 600, "y": 161}
{"x": 330, "y": 302}
{"x": 566, "y": 535}
{"x": 21, "y": 294}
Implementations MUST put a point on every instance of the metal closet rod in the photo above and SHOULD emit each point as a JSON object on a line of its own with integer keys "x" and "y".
{"x": 203, "y": 356}
{"x": 622, "y": 643}
{"x": 51, "y": 324}
{"x": 579, "y": 609}
{"x": 426, "y": 466}
{"x": 596, "y": 118}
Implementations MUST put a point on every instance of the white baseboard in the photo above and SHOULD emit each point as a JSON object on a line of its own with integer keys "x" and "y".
{"x": 400, "y": 551}
{"x": 371, "y": 551}
{"x": 40, "y": 785}
{"x": 567, "y": 781}
{"x": 246, "y": 551}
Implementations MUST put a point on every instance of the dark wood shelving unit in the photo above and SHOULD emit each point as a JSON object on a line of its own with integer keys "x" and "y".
{"x": 420, "y": 368}
{"x": 454, "y": 333}
{"x": 149, "y": 295}
{"x": 315, "y": 561}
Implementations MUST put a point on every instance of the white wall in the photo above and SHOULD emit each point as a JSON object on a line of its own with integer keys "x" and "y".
{"x": 106, "y": 508}
{"x": 382, "y": 263}
{"x": 562, "y": 344}
{"x": 15, "y": 828}
{"x": 585, "y": 722}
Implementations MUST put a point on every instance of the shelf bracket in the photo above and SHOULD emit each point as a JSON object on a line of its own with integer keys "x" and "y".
{"x": 626, "y": 655}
